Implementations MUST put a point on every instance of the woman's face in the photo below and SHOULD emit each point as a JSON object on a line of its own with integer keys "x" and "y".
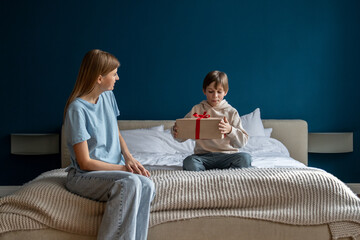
{"x": 108, "y": 81}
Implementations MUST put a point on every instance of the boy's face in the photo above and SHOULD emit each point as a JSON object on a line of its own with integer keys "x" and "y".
{"x": 214, "y": 96}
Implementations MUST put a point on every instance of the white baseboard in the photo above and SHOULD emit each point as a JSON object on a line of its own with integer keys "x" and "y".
{"x": 355, "y": 187}
{"x": 6, "y": 190}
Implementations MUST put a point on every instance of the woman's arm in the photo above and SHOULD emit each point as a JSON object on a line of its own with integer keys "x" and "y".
{"x": 131, "y": 163}
{"x": 87, "y": 164}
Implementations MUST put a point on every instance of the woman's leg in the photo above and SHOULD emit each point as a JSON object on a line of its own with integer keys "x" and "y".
{"x": 147, "y": 195}
{"x": 127, "y": 197}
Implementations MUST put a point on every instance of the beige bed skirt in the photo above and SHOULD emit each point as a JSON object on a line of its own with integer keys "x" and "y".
{"x": 210, "y": 228}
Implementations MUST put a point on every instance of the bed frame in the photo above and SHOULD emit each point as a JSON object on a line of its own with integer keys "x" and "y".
{"x": 292, "y": 133}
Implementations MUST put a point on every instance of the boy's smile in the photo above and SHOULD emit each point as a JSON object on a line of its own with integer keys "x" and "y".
{"x": 214, "y": 95}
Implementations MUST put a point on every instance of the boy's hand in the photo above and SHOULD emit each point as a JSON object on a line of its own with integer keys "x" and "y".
{"x": 224, "y": 126}
{"x": 174, "y": 130}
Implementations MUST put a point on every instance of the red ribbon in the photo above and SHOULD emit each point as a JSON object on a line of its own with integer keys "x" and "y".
{"x": 197, "y": 128}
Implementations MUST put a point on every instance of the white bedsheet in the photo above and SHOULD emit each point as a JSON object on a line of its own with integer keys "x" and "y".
{"x": 158, "y": 150}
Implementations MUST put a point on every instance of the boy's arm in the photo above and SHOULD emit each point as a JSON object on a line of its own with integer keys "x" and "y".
{"x": 238, "y": 136}
{"x": 174, "y": 128}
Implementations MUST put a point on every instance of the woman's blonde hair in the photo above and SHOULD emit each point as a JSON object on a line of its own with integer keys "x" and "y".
{"x": 94, "y": 64}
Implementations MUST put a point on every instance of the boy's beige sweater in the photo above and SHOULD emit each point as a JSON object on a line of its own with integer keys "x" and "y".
{"x": 231, "y": 143}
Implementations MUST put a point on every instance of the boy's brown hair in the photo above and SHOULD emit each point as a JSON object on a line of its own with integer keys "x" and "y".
{"x": 217, "y": 77}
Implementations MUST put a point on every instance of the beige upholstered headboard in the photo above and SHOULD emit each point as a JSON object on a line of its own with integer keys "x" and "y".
{"x": 292, "y": 133}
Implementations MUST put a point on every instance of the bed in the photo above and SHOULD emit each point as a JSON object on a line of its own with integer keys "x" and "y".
{"x": 276, "y": 201}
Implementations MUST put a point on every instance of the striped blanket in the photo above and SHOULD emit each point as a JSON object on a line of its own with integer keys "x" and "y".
{"x": 293, "y": 196}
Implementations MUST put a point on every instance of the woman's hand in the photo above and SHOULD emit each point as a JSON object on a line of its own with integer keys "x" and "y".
{"x": 135, "y": 166}
{"x": 132, "y": 165}
{"x": 224, "y": 126}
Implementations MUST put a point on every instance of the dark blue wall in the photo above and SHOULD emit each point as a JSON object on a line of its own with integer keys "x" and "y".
{"x": 293, "y": 59}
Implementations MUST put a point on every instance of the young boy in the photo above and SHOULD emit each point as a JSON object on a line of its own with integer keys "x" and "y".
{"x": 218, "y": 153}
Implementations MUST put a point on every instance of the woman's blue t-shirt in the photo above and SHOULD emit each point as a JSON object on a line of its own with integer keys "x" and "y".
{"x": 96, "y": 124}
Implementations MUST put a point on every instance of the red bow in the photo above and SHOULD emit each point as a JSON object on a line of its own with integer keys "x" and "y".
{"x": 197, "y": 128}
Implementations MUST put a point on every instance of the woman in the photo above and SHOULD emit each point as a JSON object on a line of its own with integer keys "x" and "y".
{"x": 102, "y": 167}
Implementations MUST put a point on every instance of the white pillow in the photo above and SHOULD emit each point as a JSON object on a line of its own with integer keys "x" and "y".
{"x": 157, "y": 128}
{"x": 252, "y": 123}
{"x": 146, "y": 140}
{"x": 268, "y": 132}
{"x": 155, "y": 141}
{"x": 186, "y": 147}
{"x": 265, "y": 146}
